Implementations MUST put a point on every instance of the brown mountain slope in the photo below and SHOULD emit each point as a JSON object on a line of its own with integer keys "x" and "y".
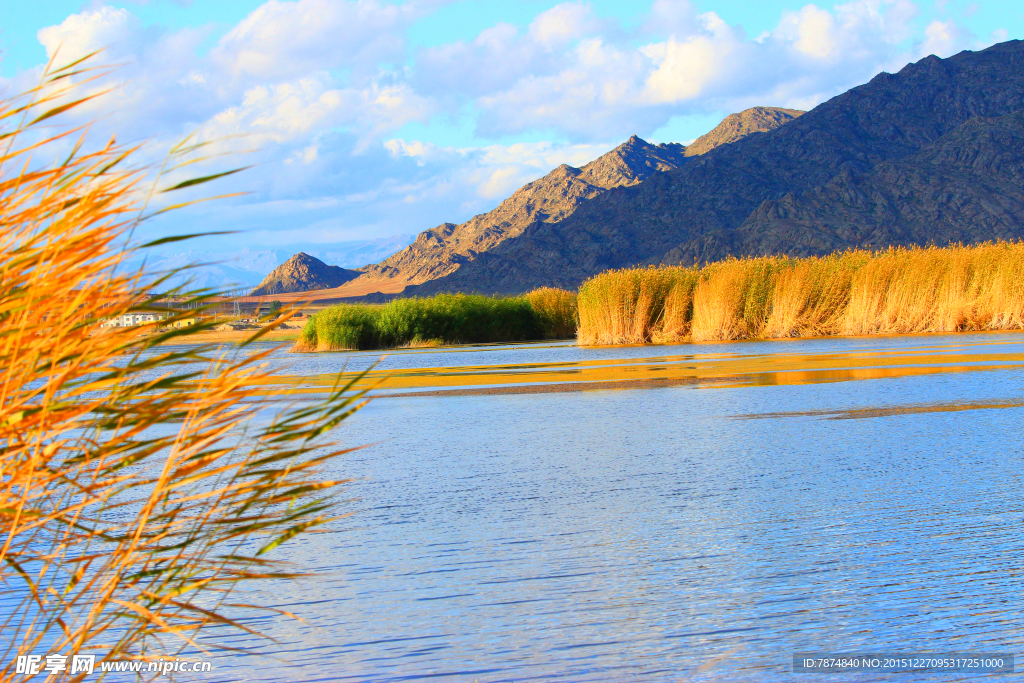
{"x": 895, "y": 161}
{"x": 738, "y": 126}
{"x": 303, "y": 272}
{"x": 442, "y": 250}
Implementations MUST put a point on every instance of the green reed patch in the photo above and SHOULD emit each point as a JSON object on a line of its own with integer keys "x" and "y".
{"x": 440, "y": 319}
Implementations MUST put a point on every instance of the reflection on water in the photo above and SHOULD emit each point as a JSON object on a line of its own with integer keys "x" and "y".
{"x": 705, "y": 529}
{"x": 856, "y": 413}
{"x": 532, "y": 368}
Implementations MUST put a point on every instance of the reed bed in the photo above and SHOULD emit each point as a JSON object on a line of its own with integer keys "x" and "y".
{"x": 441, "y": 319}
{"x": 135, "y": 494}
{"x": 858, "y": 292}
{"x": 556, "y": 312}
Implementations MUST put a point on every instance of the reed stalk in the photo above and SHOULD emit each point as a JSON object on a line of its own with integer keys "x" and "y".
{"x": 442, "y": 319}
{"x": 137, "y": 492}
{"x": 556, "y": 312}
{"x": 858, "y": 292}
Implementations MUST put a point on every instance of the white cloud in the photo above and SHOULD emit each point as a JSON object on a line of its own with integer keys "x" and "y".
{"x": 279, "y": 112}
{"x": 163, "y": 88}
{"x": 80, "y": 34}
{"x": 562, "y": 24}
{"x": 671, "y": 18}
{"x": 494, "y": 60}
{"x": 282, "y": 40}
{"x": 543, "y": 155}
{"x": 292, "y": 123}
{"x": 306, "y": 155}
{"x": 498, "y": 183}
{"x": 816, "y": 34}
{"x": 157, "y": 85}
{"x": 944, "y": 38}
{"x": 572, "y": 74}
{"x": 493, "y": 172}
{"x": 416, "y": 149}
{"x": 597, "y": 89}
{"x": 849, "y": 34}
{"x": 684, "y": 68}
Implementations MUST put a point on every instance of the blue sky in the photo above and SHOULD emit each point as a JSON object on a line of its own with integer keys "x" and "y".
{"x": 372, "y": 119}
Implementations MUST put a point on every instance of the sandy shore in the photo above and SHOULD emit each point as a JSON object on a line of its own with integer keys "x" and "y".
{"x": 237, "y": 337}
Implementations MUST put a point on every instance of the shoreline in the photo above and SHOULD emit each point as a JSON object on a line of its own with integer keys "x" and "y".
{"x": 292, "y": 335}
{"x": 745, "y": 340}
{"x": 234, "y": 337}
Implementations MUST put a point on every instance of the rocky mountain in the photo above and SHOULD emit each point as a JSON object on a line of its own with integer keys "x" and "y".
{"x": 738, "y": 126}
{"x": 302, "y": 273}
{"x": 930, "y": 154}
{"x": 442, "y": 250}
{"x": 964, "y": 187}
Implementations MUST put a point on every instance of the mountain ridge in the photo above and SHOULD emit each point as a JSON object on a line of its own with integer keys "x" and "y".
{"x": 441, "y": 251}
{"x": 735, "y": 127}
{"x": 699, "y": 212}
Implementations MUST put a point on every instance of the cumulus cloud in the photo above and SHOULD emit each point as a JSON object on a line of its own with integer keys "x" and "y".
{"x": 494, "y": 60}
{"x": 157, "y": 86}
{"x": 816, "y": 34}
{"x": 851, "y": 33}
{"x": 80, "y": 34}
{"x": 501, "y": 57}
{"x": 562, "y": 24}
{"x": 695, "y": 62}
{"x": 596, "y": 91}
{"x": 282, "y": 40}
{"x": 944, "y": 38}
{"x": 283, "y": 112}
{"x": 269, "y": 78}
{"x": 685, "y": 68}
{"x": 587, "y": 79}
{"x": 492, "y": 172}
{"x": 670, "y": 18}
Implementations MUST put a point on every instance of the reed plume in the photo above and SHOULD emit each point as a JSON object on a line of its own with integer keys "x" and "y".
{"x": 858, "y": 292}
{"x": 136, "y": 489}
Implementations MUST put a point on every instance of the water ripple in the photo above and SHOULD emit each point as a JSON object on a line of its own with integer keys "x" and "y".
{"x": 676, "y": 534}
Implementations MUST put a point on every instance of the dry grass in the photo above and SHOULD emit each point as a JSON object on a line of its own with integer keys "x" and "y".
{"x": 628, "y": 306}
{"x": 134, "y": 492}
{"x": 897, "y": 291}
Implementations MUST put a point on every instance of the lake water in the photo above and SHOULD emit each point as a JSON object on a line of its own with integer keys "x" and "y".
{"x": 695, "y": 512}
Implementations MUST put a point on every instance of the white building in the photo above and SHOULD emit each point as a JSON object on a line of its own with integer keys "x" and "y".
{"x": 132, "y": 320}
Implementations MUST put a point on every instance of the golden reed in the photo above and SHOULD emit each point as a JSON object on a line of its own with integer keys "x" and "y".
{"x": 895, "y": 291}
{"x": 136, "y": 490}
{"x": 556, "y": 311}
